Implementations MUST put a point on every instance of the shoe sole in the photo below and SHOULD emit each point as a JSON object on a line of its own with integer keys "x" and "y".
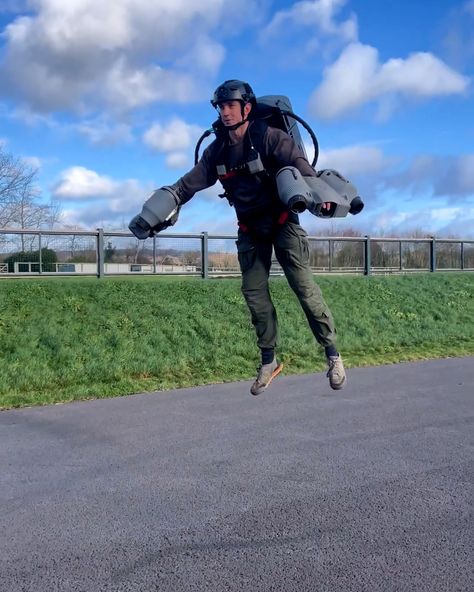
{"x": 275, "y": 372}
{"x": 339, "y": 386}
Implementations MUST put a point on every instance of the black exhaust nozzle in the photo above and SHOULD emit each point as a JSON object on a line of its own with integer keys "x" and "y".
{"x": 140, "y": 227}
{"x": 357, "y": 205}
{"x": 298, "y": 204}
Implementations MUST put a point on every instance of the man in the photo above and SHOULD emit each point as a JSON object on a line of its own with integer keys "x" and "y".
{"x": 245, "y": 158}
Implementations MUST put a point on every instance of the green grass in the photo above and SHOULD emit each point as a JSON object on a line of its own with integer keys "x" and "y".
{"x": 63, "y": 339}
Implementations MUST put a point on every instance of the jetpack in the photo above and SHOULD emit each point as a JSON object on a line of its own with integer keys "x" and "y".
{"x": 300, "y": 193}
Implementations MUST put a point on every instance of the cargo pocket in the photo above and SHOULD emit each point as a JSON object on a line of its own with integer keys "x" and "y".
{"x": 246, "y": 253}
{"x": 293, "y": 245}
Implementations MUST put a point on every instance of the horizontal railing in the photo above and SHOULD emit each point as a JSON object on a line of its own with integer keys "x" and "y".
{"x": 101, "y": 253}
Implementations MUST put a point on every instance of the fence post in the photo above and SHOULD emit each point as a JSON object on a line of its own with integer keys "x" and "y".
{"x": 40, "y": 257}
{"x": 154, "y": 253}
{"x": 331, "y": 253}
{"x": 100, "y": 252}
{"x": 367, "y": 261}
{"x": 400, "y": 254}
{"x": 462, "y": 255}
{"x": 433, "y": 254}
{"x": 204, "y": 255}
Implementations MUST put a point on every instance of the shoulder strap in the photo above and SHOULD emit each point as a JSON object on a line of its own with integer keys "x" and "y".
{"x": 256, "y": 133}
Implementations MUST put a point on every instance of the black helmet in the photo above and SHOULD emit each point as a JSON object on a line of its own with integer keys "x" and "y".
{"x": 233, "y": 90}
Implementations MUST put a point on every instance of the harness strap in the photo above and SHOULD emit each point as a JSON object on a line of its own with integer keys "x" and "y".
{"x": 280, "y": 222}
{"x": 283, "y": 217}
{"x": 228, "y": 175}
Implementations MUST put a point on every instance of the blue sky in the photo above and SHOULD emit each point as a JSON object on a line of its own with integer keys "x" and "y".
{"x": 108, "y": 99}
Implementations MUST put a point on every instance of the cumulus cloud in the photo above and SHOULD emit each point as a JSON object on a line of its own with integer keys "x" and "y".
{"x": 177, "y": 160}
{"x": 358, "y": 77}
{"x": 64, "y": 55}
{"x": 175, "y": 140}
{"x": 206, "y": 55}
{"x": 79, "y": 183}
{"x": 174, "y": 136}
{"x": 125, "y": 86}
{"x": 98, "y": 200}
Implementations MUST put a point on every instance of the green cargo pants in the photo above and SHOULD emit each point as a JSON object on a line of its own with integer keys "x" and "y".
{"x": 292, "y": 252}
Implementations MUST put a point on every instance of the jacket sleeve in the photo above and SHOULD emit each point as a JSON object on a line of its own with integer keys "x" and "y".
{"x": 201, "y": 176}
{"x": 283, "y": 151}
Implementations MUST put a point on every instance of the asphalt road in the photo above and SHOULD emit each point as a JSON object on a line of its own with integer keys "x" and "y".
{"x": 211, "y": 489}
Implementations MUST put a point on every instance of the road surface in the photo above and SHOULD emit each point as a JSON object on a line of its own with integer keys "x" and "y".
{"x": 210, "y": 489}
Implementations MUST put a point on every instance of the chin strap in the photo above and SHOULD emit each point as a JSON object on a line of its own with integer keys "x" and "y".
{"x": 235, "y": 126}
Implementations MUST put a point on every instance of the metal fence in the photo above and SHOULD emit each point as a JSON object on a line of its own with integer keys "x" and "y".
{"x": 102, "y": 253}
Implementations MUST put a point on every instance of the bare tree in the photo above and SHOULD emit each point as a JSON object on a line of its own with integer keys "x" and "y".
{"x": 134, "y": 252}
{"x": 19, "y": 197}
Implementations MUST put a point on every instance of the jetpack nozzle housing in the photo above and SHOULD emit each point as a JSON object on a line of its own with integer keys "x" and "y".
{"x": 300, "y": 193}
{"x": 159, "y": 211}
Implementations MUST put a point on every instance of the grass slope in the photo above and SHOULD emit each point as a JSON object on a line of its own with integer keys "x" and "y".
{"x": 73, "y": 338}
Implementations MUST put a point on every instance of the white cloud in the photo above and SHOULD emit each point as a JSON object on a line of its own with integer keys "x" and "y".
{"x": 177, "y": 160}
{"x": 175, "y": 136}
{"x": 319, "y": 15}
{"x": 445, "y": 214}
{"x": 206, "y": 55}
{"x": 99, "y": 200}
{"x": 128, "y": 87}
{"x": 65, "y": 55}
{"x": 80, "y": 183}
{"x": 358, "y": 77}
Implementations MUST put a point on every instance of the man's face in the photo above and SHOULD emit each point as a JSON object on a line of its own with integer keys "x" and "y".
{"x": 231, "y": 112}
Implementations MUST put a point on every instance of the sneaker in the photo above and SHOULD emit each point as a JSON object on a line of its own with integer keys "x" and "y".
{"x": 336, "y": 372}
{"x": 266, "y": 373}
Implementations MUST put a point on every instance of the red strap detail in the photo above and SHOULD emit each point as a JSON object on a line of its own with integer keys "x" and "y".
{"x": 227, "y": 176}
{"x": 243, "y": 227}
{"x": 283, "y": 217}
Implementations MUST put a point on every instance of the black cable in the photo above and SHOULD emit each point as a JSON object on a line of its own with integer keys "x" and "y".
{"x": 207, "y": 133}
{"x": 310, "y": 132}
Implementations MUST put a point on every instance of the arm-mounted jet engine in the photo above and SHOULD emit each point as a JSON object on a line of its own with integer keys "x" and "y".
{"x": 160, "y": 211}
{"x": 300, "y": 193}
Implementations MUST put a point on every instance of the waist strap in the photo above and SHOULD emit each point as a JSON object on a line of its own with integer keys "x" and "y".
{"x": 282, "y": 218}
